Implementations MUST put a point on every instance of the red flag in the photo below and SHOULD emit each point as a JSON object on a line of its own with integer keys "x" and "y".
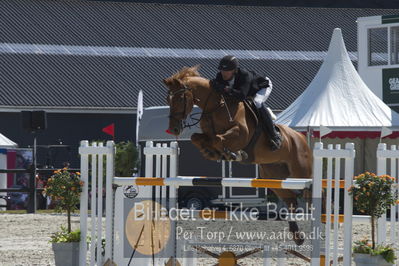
{"x": 110, "y": 130}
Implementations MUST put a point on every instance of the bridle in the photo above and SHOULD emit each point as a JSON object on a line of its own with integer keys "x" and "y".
{"x": 203, "y": 113}
{"x": 172, "y": 94}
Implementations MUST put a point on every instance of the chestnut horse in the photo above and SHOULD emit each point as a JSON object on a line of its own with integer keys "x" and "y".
{"x": 227, "y": 128}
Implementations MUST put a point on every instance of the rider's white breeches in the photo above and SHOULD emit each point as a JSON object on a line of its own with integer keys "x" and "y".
{"x": 262, "y": 95}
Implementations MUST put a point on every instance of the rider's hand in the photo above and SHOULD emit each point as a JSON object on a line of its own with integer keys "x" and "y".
{"x": 238, "y": 95}
{"x": 227, "y": 90}
{"x": 217, "y": 86}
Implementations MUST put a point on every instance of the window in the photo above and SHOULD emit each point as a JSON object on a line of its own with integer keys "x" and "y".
{"x": 394, "y": 45}
{"x": 378, "y": 46}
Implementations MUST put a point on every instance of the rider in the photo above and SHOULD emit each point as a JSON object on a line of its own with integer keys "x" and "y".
{"x": 243, "y": 84}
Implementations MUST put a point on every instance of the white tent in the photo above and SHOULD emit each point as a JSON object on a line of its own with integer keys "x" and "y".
{"x": 338, "y": 98}
{"x": 6, "y": 142}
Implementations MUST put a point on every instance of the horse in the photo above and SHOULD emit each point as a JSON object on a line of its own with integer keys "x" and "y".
{"x": 229, "y": 126}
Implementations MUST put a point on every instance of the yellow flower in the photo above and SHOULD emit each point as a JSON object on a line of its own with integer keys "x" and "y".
{"x": 78, "y": 173}
{"x": 63, "y": 187}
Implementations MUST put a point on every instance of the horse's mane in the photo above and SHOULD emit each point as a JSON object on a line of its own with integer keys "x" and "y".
{"x": 186, "y": 72}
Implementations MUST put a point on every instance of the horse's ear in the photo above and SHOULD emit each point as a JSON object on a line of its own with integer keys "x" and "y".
{"x": 166, "y": 81}
{"x": 177, "y": 82}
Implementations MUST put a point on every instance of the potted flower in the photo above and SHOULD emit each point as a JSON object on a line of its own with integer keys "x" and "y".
{"x": 373, "y": 195}
{"x": 64, "y": 189}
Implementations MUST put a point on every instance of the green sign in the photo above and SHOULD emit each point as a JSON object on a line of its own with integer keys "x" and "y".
{"x": 390, "y": 19}
{"x": 390, "y": 85}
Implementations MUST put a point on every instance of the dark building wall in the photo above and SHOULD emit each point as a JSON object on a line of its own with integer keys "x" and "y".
{"x": 70, "y": 129}
{"x": 279, "y": 3}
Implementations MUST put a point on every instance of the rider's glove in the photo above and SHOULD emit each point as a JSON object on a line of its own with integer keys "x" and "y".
{"x": 217, "y": 86}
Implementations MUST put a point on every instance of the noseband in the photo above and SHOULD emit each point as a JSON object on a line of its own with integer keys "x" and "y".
{"x": 172, "y": 94}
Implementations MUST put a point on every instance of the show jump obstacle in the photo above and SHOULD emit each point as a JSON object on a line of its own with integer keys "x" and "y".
{"x": 161, "y": 183}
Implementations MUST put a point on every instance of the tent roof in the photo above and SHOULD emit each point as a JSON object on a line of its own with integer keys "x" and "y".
{"x": 338, "y": 98}
{"x": 6, "y": 142}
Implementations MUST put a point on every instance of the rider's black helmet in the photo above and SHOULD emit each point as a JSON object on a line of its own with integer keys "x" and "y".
{"x": 228, "y": 62}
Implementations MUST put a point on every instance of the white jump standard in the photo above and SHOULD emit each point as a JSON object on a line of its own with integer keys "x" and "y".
{"x": 164, "y": 160}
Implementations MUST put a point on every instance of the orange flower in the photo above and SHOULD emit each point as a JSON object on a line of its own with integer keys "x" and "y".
{"x": 397, "y": 202}
{"x": 73, "y": 188}
{"x": 81, "y": 183}
{"x": 78, "y": 173}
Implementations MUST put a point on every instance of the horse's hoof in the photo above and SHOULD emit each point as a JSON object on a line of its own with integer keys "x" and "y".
{"x": 243, "y": 155}
{"x": 234, "y": 157}
{"x": 298, "y": 236}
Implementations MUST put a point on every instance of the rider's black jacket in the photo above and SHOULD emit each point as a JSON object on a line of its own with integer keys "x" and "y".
{"x": 246, "y": 83}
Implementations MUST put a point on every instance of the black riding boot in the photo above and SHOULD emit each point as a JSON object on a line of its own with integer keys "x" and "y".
{"x": 268, "y": 126}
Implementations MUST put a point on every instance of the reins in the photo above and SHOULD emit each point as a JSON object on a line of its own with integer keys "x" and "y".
{"x": 192, "y": 116}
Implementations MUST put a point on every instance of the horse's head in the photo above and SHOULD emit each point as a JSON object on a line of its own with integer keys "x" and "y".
{"x": 181, "y": 101}
{"x": 180, "y": 98}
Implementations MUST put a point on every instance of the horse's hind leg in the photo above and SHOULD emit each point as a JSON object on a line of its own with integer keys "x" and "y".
{"x": 289, "y": 197}
{"x": 286, "y": 195}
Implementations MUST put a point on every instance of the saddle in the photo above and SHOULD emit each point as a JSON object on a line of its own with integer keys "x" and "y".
{"x": 250, "y": 107}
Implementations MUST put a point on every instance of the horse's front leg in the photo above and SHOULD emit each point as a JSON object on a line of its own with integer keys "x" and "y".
{"x": 229, "y": 143}
{"x": 204, "y": 145}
